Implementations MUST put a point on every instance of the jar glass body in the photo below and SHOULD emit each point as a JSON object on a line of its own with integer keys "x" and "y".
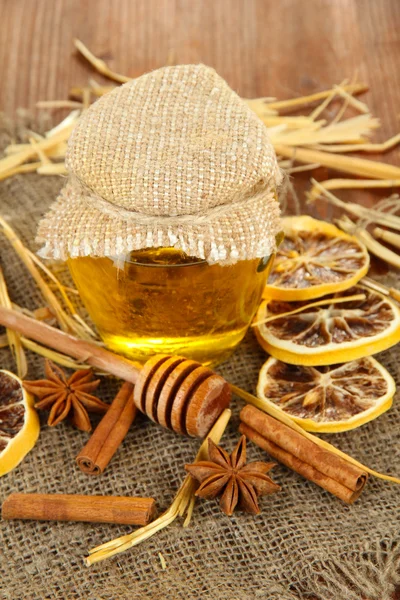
{"x": 162, "y": 301}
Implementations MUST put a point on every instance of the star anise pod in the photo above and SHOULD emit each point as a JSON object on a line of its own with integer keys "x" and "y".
{"x": 231, "y": 477}
{"x": 64, "y": 396}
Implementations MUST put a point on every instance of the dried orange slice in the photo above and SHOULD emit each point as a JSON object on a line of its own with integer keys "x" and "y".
{"x": 328, "y": 399}
{"x": 19, "y": 422}
{"x": 332, "y": 333}
{"x": 314, "y": 259}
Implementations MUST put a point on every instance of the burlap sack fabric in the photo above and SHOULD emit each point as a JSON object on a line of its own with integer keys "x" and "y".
{"x": 173, "y": 158}
{"x": 304, "y": 544}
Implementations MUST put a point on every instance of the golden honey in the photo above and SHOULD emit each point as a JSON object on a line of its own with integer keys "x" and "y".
{"x": 163, "y": 301}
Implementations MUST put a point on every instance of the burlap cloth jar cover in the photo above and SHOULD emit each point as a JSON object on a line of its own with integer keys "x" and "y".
{"x": 305, "y": 544}
{"x": 173, "y": 158}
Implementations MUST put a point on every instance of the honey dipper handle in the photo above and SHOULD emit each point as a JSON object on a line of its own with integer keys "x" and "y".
{"x": 87, "y": 352}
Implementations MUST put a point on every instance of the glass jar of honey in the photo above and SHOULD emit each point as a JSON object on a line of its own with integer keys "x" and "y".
{"x": 169, "y": 217}
{"x": 163, "y": 301}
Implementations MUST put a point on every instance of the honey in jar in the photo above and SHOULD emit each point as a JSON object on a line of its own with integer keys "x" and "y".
{"x": 161, "y": 300}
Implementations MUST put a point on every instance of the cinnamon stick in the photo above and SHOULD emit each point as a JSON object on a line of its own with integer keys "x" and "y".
{"x": 329, "y": 471}
{"x": 87, "y": 352}
{"x": 109, "y": 433}
{"x": 121, "y": 510}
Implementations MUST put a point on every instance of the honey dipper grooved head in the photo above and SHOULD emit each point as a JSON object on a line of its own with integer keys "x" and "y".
{"x": 181, "y": 394}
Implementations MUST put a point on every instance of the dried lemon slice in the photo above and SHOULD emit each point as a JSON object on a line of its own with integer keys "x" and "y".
{"x": 314, "y": 259}
{"x": 328, "y": 399}
{"x": 19, "y": 422}
{"x": 332, "y": 333}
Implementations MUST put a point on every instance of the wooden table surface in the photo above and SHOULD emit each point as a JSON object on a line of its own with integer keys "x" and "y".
{"x": 281, "y": 48}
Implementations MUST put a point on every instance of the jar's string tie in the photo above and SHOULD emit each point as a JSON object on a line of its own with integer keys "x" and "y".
{"x": 257, "y": 192}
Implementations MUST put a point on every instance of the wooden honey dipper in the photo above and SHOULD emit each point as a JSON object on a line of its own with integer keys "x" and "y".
{"x": 181, "y": 394}
{"x": 178, "y": 393}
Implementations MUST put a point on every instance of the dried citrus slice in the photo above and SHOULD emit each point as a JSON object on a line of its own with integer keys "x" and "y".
{"x": 332, "y": 333}
{"x": 19, "y": 422}
{"x": 328, "y": 399}
{"x": 315, "y": 259}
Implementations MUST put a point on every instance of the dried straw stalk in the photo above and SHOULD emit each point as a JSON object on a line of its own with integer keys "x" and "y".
{"x": 57, "y": 151}
{"x": 347, "y": 184}
{"x": 99, "y": 64}
{"x": 59, "y": 104}
{"x": 68, "y": 322}
{"x": 296, "y": 103}
{"x": 348, "y": 131}
{"x": 366, "y": 238}
{"x": 361, "y": 147}
{"x": 382, "y": 214}
{"x": 13, "y": 161}
{"x": 13, "y": 337}
{"x": 28, "y": 168}
{"x": 57, "y": 357}
{"x": 354, "y": 166}
{"x": 361, "y": 212}
{"x": 387, "y": 236}
{"x": 379, "y": 287}
{"x": 305, "y": 307}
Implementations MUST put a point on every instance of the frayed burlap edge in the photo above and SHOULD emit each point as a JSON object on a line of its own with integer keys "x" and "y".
{"x": 240, "y": 231}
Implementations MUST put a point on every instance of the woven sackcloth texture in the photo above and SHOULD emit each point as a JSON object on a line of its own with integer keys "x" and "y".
{"x": 304, "y": 544}
{"x": 173, "y": 158}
